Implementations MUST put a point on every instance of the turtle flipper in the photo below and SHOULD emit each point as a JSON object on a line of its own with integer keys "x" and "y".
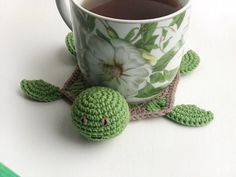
{"x": 190, "y": 115}
{"x": 70, "y": 43}
{"x": 190, "y": 62}
{"x": 40, "y": 90}
{"x": 156, "y": 104}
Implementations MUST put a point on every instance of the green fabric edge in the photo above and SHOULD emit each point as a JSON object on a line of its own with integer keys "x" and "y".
{"x": 6, "y": 172}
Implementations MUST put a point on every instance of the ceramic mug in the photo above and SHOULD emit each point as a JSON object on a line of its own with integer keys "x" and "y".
{"x": 138, "y": 58}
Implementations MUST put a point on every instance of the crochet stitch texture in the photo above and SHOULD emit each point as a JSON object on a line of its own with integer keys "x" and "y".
{"x": 190, "y": 115}
{"x": 40, "y": 90}
{"x": 190, "y": 62}
{"x": 100, "y": 113}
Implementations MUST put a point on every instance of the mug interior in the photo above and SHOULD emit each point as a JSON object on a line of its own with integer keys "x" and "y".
{"x": 184, "y": 3}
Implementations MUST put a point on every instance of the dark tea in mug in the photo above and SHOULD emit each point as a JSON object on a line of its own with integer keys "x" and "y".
{"x": 132, "y": 9}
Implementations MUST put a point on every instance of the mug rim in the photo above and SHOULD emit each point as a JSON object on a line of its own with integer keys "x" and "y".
{"x": 185, "y": 7}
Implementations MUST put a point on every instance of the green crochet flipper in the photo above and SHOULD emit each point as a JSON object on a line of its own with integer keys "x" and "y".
{"x": 156, "y": 104}
{"x": 190, "y": 61}
{"x": 40, "y": 90}
{"x": 70, "y": 43}
{"x": 190, "y": 115}
{"x": 101, "y": 113}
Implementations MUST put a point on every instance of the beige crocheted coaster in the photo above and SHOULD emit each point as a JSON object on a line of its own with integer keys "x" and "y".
{"x": 137, "y": 111}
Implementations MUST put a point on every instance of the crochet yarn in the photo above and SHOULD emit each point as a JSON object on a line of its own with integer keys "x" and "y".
{"x": 190, "y": 61}
{"x": 40, "y": 90}
{"x": 190, "y": 115}
{"x": 76, "y": 84}
{"x": 100, "y": 113}
{"x": 77, "y": 87}
{"x": 70, "y": 43}
{"x": 156, "y": 104}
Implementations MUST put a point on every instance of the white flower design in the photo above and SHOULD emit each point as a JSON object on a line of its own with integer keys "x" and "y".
{"x": 118, "y": 65}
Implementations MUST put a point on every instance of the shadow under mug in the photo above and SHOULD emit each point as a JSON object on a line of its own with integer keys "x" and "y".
{"x": 138, "y": 58}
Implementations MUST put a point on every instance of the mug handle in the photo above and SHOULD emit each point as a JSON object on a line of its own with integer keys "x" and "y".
{"x": 64, "y": 11}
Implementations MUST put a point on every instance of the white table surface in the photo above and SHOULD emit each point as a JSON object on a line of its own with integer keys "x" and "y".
{"x": 39, "y": 140}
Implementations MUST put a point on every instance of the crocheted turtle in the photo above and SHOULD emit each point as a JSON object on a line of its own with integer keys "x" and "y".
{"x": 101, "y": 113}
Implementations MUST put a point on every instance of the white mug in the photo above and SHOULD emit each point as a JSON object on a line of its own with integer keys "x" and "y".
{"x": 138, "y": 58}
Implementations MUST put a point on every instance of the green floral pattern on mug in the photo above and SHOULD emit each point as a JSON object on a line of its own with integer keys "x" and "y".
{"x": 138, "y": 61}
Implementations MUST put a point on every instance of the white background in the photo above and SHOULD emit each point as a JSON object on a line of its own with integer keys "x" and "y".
{"x": 38, "y": 139}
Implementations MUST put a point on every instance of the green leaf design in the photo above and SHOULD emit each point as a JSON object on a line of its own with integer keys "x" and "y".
{"x": 148, "y": 27}
{"x": 167, "y": 57}
{"x": 40, "y": 90}
{"x": 147, "y": 31}
{"x": 112, "y": 33}
{"x": 147, "y": 40}
{"x": 178, "y": 20}
{"x": 149, "y": 45}
{"x": 190, "y": 61}
{"x": 152, "y": 40}
{"x": 70, "y": 43}
{"x": 131, "y": 34}
{"x": 166, "y": 43}
{"x": 157, "y": 77}
{"x": 101, "y": 35}
{"x": 139, "y": 44}
{"x": 156, "y": 104}
{"x": 91, "y": 23}
{"x": 190, "y": 115}
{"x": 164, "y": 61}
{"x": 168, "y": 75}
{"x": 163, "y": 76}
{"x": 148, "y": 91}
{"x": 149, "y": 48}
{"x": 164, "y": 33}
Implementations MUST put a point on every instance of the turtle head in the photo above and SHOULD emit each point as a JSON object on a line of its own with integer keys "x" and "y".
{"x": 100, "y": 113}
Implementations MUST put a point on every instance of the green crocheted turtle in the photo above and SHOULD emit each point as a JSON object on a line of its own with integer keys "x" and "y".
{"x": 102, "y": 113}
